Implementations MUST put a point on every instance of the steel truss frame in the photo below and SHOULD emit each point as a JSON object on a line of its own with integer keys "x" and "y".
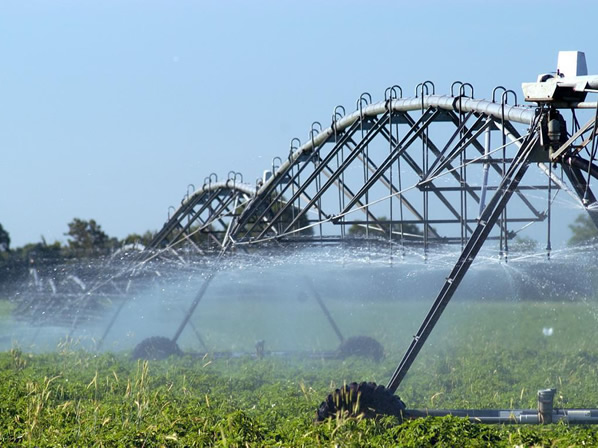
{"x": 538, "y": 143}
{"x": 268, "y": 215}
{"x": 328, "y": 160}
{"x": 232, "y": 214}
{"x": 204, "y": 218}
{"x": 298, "y": 197}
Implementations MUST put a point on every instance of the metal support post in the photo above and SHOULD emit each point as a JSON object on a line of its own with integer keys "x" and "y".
{"x": 325, "y": 310}
{"x": 487, "y": 221}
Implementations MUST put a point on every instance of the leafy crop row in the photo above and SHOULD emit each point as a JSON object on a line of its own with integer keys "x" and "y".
{"x": 75, "y": 398}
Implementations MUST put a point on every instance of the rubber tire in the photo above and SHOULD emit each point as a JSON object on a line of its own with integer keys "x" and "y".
{"x": 156, "y": 348}
{"x": 363, "y": 346}
{"x": 374, "y": 401}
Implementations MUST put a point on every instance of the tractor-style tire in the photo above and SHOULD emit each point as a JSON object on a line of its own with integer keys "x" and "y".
{"x": 361, "y": 399}
{"x": 156, "y": 348}
{"x": 362, "y": 346}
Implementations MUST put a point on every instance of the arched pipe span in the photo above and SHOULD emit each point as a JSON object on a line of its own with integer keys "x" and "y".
{"x": 517, "y": 114}
{"x": 229, "y": 184}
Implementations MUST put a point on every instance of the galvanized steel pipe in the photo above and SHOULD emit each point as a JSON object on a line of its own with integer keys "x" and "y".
{"x": 518, "y": 114}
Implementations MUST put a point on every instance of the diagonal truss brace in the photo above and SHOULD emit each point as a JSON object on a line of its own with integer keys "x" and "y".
{"x": 254, "y": 207}
{"x": 399, "y": 150}
{"x": 581, "y": 188}
{"x": 487, "y": 221}
{"x": 378, "y": 125}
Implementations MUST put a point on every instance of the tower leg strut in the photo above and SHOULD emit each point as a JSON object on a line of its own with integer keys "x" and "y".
{"x": 488, "y": 218}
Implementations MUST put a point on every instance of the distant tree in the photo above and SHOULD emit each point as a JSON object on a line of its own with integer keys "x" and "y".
{"x": 4, "y": 240}
{"x": 42, "y": 252}
{"x": 88, "y": 237}
{"x": 15, "y": 264}
{"x": 583, "y": 230}
{"x": 134, "y": 238}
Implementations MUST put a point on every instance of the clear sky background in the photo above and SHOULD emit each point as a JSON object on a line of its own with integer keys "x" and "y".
{"x": 110, "y": 108}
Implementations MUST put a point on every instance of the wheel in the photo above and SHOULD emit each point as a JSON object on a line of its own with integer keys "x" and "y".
{"x": 155, "y": 348}
{"x": 363, "y": 346}
{"x": 364, "y": 399}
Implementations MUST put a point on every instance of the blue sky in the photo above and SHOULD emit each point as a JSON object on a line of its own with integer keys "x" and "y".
{"x": 109, "y": 109}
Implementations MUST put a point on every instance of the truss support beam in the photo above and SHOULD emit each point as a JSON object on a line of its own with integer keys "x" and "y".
{"x": 398, "y": 149}
{"x": 200, "y": 294}
{"x": 325, "y": 310}
{"x": 378, "y": 125}
{"x": 581, "y": 188}
{"x": 263, "y": 196}
{"x": 488, "y": 219}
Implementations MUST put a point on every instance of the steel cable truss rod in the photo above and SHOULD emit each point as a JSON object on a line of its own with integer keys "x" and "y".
{"x": 460, "y": 130}
{"x": 398, "y": 148}
{"x": 519, "y": 114}
{"x": 264, "y": 194}
{"x": 400, "y": 151}
{"x": 426, "y": 140}
{"x": 514, "y": 136}
{"x": 393, "y": 191}
{"x": 307, "y": 198}
{"x": 556, "y": 155}
{"x": 180, "y": 214}
{"x": 444, "y": 160}
{"x": 573, "y": 170}
{"x": 349, "y": 194}
{"x": 371, "y": 203}
{"x": 487, "y": 221}
{"x": 369, "y": 136}
{"x": 229, "y": 196}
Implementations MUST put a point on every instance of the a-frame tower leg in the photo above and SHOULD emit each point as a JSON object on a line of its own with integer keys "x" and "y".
{"x": 488, "y": 219}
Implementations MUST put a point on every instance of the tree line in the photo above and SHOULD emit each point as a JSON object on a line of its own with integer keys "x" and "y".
{"x": 86, "y": 238}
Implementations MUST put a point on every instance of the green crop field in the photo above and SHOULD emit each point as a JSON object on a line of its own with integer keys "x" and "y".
{"x": 482, "y": 355}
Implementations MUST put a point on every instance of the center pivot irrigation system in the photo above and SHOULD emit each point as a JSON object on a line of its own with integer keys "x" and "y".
{"x": 409, "y": 173}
